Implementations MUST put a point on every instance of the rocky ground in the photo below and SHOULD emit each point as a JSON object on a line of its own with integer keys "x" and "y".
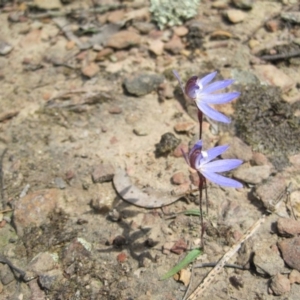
{"x": 92, "y": 197}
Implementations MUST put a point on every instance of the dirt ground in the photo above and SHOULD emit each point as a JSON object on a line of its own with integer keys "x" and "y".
{"x": 87, "y": 92}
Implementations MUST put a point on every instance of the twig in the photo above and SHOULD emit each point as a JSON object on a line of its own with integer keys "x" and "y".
{"x": 213, "y": 264}
{"x": 3, "y": 203}
{"x": 280, "y": 56}
{"x": 4, "y": 260}
{"x": 222, "y": 262}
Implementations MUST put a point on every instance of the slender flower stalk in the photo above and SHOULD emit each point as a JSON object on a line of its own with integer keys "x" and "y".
{"x": 204, "y": 94}
{"x": 207, "y": 168}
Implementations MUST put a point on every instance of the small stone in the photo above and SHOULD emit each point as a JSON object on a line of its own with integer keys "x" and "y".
{"x": 179, "y": 149}
{"x": 6, "y": 275}
{"x": 182, "y": 127}
{"x": 267, "y": 261}
{"x": 288, "y": 227}
{"x": 100, "y": 206}
{"x": 181, "y": 189}
{"x": 184, "y": 276}
{"x": 104, "y": 54}
{"x": 103, "y": 172}
{"x": 273, "y": 25}
{"x": 116, "y": 16}
{"x": 243, "y": 4}
{"x": 168, "y": 143}
{"x": 78, "y": 249}
{"x": 179, "y": 247}
{"x": 294, "y": 277}
{"x": 166, "y": 248}
{"x": 143, "y": 27}
{"x": 274, "y": 76}
{"x": 235, "y": 16}
{"x": 180, "y": 31}
{"x": 291, "y": 16}
{"x": 60, "y": 183}
{"x": 123, "y": 39}
{"x": 142, "y": 84}
{"x": 140, "y": 131}
{"x": 43, "y": 262}
{"x": 280, "y": 284}
{"x": 253, "y": 43}
{"x": 237, "y": 148}
{"x": 70, "y": 45}
{"x": 166, "y": 91}
{"x": 48, "y": 279}
{"x": 220, "y": 4}
{"x": 5, "y": 47}
{"x": 174, "y": 45}
{"x": 46, "y": 4}
{"x": 90, "y": 70}
{"x": 121, "y": 257}
{"x": 252, "y": 175}
{"x": 259, "y": 159}
{"x": 290, "y": 249}
{"x": 179, "y": 178}
{"x": 156, "y": 47}
{"x": 115, "y": 110}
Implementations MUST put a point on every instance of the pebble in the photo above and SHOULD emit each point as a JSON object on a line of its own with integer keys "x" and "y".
{"x": 182, "y": 147}
{"x": 5, "y": 47}
{"x": 179, "y": 178}
{"x": 123, "y": 39}
{"x": 6, "y": 275}
{"x": 290, "y": 249}
{"x": 174, "y": 45}
{"x": 140, "y": 131}
{"x": 144, "y": 27}
{"x": 100, "y": 206}
{"x": 237, "y": 148}
{"x": 243, "y": 4}
{"x": 274, "y": 76}
{"x": 46, "y": 4}
{"x": 167, "y": 247}
{"x": 252, "y": 175}
{"x": 77, "y": 249}
{"x": 142, "y": 84}
{"x": 60, "y": 183}
{"x": 235, "y": 15}
{"x": 267, "y": 261}
{"x": 116, "y": 16}
{"x": 291, "y": 16}
{"x": 90, "y": 70}
{"x": 259, "y": 159}
{"x": 156, "y": 47}
{"x": 280, "y": 284}
{"x": 179, "y": 247}
{"x": 34, "y": 208}
{"x": 121, "y": 257}
{"x": 220, "y": 4}
{"x": 43, "y": 262}
{"x": 48, "y": 279}
{"x": 166, "y": 91}
{"x": 168, "y": 142}
{"x": 103, "y": 172}
{"x": 181, "y": 189}
{"x": 180, "y": 31}
{"x": 104, "y": 54}
{"x": 273, "y": 25}
{"x": 184, "y": 127}
{"x": 294, "y": 277}
{"x": 269, "y": 191}
{"x": 115, "y": 110}
{"x": 288, "y": 227}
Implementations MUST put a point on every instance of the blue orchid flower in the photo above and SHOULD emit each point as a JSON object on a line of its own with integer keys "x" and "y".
{"x": 202, "y": 162}
{"x": 204, "y": 94}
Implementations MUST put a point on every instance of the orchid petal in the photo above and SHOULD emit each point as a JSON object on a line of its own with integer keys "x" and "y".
{"x": 219, "y": 98}
{"x": 212, "y": 113}
{"x": 222, "y": 165}
{"x": 218, "y": 85}
{"x": 206, "y": 79}
{"x": 214, "y": 152}
{"x": 221, "y": 180}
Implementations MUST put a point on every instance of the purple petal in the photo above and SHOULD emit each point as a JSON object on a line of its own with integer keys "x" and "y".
{"x": 212, "y": 113}
{"x": 206, "y": 79}
{"x": 214, "y": 152}
{"x": 219, "y": 98}
{"x": 222, "y": 165}
{"x": 218, "y": 85}
{"x": 179, "y": 80}
{"x": 221, "y": 180}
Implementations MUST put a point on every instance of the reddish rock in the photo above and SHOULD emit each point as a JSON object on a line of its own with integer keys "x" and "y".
{"x": 156, "y": 47}
{"x": 280, "y": 284}
{"x": 116, "y": 16}
{"x": 123, "y": 39}
{"x": 180, "y": 30}
{"x": 259, "y": 159}
{"x": 103, "y": 54}
{"x": 174, "y": 45}
{"x": 115, "y": 110}
{"x": 273, "y": 25}
{"x": 34, "y": 209}
{"x": 179, "y": 178}
{"x": 103, "y": 172}
{"x": 294, "y": 277}
{"x": 179, "y": 247}
{"x": 78, "y": 249}
{"x": 288, "y": 227}
{"x": 90, "y": 70}
{"x": 179, "y": 149}
{"x": 184, "y": 127}
{"x": 290, "y": 249}
{"x": 121, "y": 257}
